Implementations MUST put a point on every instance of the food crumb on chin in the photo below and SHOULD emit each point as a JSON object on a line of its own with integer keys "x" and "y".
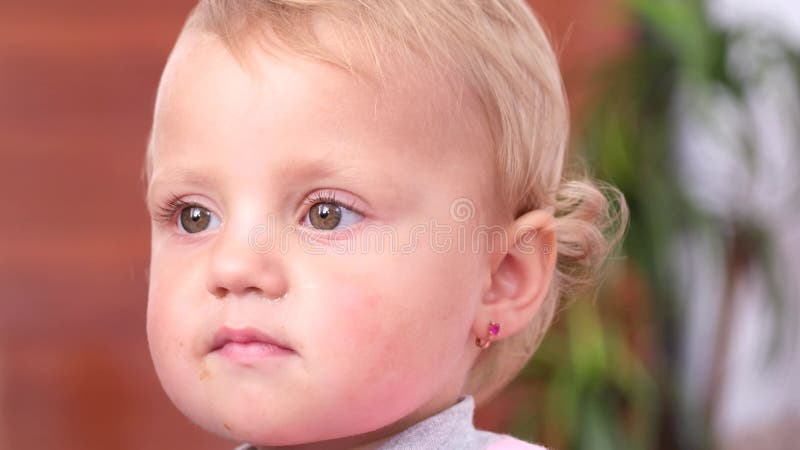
{"x": 204, "y": 373}
{"x": 226, "y": 426}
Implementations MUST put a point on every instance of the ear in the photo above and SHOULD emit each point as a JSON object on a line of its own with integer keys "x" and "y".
{"x": 521, "y": 275}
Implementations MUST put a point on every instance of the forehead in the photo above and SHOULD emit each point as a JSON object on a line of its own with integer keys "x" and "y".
{"x": 292, "y": 107}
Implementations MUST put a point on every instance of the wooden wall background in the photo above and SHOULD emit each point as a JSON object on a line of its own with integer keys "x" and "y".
{"x": 77, "y": 84}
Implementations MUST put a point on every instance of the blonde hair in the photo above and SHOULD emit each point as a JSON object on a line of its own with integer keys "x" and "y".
{"x": 502, "y": 53}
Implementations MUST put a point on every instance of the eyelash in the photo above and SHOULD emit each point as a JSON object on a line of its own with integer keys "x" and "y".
{"x": 165, "y": 212}
{"x": 327, "y": 197}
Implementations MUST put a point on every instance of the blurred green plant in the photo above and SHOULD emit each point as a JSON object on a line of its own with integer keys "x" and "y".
{"x": 607, "y": 376}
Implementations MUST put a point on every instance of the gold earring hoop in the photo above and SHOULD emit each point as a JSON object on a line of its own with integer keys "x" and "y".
{"x": 493, "y": 330}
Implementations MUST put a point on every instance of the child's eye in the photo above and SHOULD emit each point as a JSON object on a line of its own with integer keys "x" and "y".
{"x": 327, "y": 213}
{"x": 329, "y": 216}
{"x": 194, "y": 219}
{"x": 188, "y": 216}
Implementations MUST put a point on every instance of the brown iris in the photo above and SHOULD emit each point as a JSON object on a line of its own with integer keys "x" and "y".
{"x": 325, "y": 216}
{"x": 195, "y": 219}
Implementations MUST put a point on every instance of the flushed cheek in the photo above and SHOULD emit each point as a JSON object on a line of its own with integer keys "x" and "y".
{"x": 337, "y": 318}
{"x": 172, "y": 349}
{"x": 175, "y": 296}
{"x": 168, "y": 329}
{"x": 369, "y": 339}
{"x": 354, "y": 315}
{"x": 162, "y": 306}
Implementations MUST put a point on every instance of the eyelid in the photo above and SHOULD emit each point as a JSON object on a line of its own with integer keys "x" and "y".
{"x": 335, "y": 196}
{"x": 331, "y": 196}
{"x": 166, "y": 211}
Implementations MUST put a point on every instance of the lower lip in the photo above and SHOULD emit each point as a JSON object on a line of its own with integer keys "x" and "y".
{"x": 252, "y": 351}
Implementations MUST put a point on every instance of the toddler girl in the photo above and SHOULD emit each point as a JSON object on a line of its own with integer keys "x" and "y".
{"x": 360, "y": 225}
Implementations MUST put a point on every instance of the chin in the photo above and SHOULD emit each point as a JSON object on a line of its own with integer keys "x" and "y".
{"x": 266, "y": 434}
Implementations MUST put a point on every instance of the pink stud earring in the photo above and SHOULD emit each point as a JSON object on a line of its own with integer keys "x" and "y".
{"x": 494, "y": 330}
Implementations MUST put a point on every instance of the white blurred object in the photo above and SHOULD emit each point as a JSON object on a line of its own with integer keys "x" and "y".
{"x": 777, "y": 17}
{"x": 739, "y": 159}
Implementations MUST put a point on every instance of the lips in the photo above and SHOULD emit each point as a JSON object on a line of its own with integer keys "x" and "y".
{"x": 243, "y": 336}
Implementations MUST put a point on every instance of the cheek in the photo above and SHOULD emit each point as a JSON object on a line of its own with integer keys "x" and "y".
{"x": 354, "y": 330}
{"x": 158, "y": 316}
{"x": 160, "y": 332}
{"x": 169, "y": 317}
{"x": 159, "y": 301}
{"x": 173, "y": 349}
{"x": 379, "y": 353}
{"x": 390, "y": 321}
{"x": 354, "y": 316}
{"x": 176, "y": 285}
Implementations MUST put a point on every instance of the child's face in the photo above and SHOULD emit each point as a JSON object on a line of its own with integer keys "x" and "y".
{"x": 376, "y": 335}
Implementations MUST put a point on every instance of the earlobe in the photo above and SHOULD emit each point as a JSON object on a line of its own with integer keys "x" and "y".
{"x": 522, "y": 275}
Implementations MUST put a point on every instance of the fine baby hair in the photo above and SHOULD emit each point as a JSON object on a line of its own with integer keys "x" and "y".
{"x": 494, "y": 52}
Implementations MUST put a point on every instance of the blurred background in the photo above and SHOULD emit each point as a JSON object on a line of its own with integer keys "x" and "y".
{"x": 691, "y": 107}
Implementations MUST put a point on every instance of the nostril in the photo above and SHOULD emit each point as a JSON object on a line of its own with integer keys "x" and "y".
{"x": 220, "y": 292}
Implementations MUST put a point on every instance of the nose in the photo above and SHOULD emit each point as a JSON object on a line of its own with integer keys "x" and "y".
{"x": 236, "y": 268}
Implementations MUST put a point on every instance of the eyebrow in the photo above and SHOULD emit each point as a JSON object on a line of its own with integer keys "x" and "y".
{"x": 183, "y": 176}
{"x": 179, "y": 175}
{"x": 186, "y": 176}
{"x": 321, "y": 167}
{"x": 324, "y": 165}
